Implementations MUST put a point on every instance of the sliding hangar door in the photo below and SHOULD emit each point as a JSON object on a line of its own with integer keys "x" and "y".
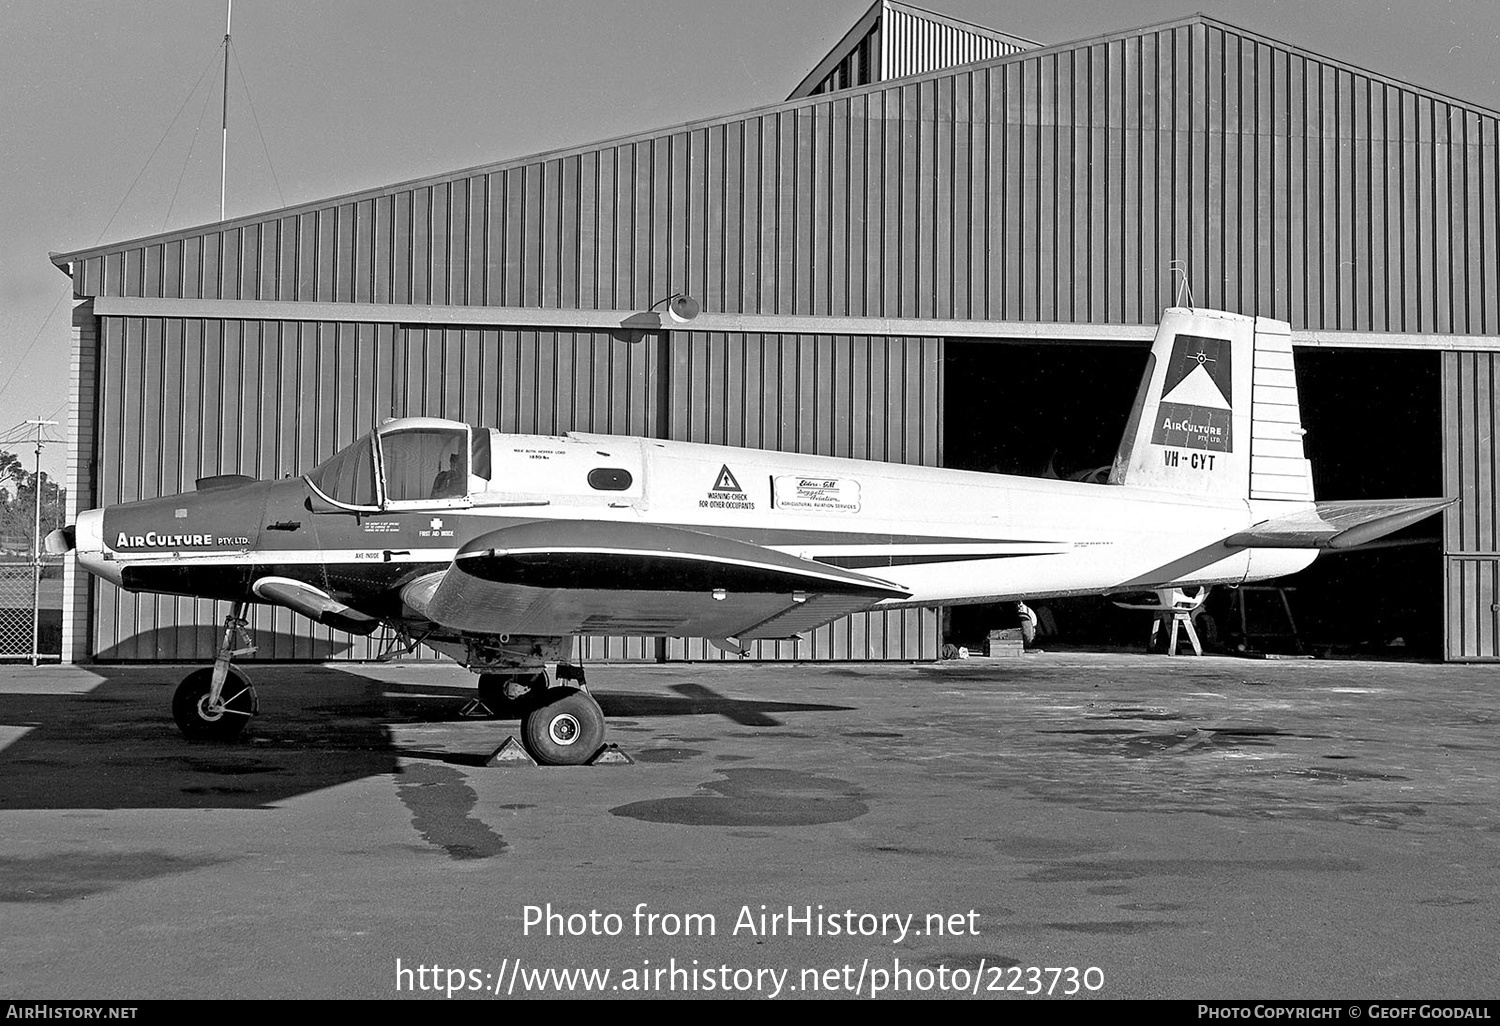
{"x": 846, "y": 247}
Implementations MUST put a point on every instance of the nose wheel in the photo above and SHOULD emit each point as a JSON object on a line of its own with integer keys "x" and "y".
{"x": 216, "y": 702}
{"x": 201, "y": 718}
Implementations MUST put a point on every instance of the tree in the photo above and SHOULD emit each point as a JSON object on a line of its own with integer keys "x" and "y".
{"x": 18, "y": 504}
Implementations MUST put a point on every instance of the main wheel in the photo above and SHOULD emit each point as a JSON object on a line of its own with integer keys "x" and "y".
{"x": 507, "y": 693}
{"x": 564, "y": 728}
{"x": 200, "y": 723}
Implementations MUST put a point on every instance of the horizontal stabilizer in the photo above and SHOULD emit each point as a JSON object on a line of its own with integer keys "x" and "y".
{"x": 1337, "y": 525}
{"x": 314, "y": 604}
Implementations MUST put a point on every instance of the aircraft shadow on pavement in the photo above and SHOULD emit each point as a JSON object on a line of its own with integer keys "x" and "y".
{"x": 697, "y": 700}
{"x": 116, "y": 746}
{"x": 199, "y": 642}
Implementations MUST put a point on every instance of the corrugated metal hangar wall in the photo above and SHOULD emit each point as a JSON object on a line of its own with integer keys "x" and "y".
{"x": 1471, "y": 536}
{"x": 852, "y": 231}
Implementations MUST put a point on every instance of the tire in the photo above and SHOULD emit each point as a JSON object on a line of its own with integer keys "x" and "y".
{"x": 196, "y": 723}
{"x": 564, "y": 728}
{"x": 507, "y": 694}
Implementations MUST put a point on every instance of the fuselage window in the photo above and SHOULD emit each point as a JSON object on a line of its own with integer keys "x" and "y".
{"x": 425, "y": 463}
{"x": 609, "y": 479}
{"x": 348, "y": 476}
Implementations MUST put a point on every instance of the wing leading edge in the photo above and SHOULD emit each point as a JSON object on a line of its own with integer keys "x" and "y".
{"x": 588, "y": 577}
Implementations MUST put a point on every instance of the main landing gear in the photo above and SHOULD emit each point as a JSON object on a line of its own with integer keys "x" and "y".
{"x": 561, "y": 724}
{"x": 564, "y": 728}
{"x": 215, "y": 703}
{"x": 506, "y": 693}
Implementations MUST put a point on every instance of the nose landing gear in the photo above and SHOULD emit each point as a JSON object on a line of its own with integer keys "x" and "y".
{"x": 215, "y": 703}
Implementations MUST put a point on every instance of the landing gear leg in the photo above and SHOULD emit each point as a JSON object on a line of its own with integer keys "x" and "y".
{"x": 505, "y": 693}
{"x": 215, "y": 704}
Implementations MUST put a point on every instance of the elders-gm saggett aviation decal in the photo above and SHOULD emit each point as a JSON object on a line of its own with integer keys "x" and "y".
{"x": 1195, "y": 412}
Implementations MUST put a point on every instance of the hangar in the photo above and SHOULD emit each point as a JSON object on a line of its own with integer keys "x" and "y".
{"x": 948, "y": 246}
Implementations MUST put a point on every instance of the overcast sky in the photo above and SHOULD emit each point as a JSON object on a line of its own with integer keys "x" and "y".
{"x": 350, "y": 94}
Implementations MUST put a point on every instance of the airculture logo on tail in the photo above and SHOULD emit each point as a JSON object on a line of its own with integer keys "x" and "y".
{"x": 1195, "y": 410}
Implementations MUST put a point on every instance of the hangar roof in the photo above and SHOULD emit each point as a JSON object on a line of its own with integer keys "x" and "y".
{"x": 894, "y": 40}
{"x": 63, "y": 259}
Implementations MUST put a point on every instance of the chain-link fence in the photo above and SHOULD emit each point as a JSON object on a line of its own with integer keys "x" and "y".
{"x": 20, "y": 611}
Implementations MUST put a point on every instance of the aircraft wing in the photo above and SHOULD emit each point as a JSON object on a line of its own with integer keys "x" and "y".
{"x": 587, "y": 577}
{"x": 1337, "y": 525}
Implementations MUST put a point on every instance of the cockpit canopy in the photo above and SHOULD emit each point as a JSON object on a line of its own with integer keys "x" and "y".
{"x": 414, "y": 461}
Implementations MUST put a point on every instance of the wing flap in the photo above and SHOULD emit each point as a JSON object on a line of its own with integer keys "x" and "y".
{"x": 1337, "y": 525}
{"x": 800, "y": 617}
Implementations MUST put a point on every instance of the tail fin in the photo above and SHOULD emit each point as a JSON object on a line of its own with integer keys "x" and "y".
{"x": 1217, "y": 413}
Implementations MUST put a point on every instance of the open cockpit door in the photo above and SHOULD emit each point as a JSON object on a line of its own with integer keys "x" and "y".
{"x": 424, "y": 463}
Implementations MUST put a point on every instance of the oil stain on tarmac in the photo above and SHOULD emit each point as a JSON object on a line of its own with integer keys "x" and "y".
{"x": 667, "y": 755}
{"x": 753, "y": 797}
{"x": 65, "y": 876}
{"x": 1133, "y": 869}
{"x": 441, "y": 802}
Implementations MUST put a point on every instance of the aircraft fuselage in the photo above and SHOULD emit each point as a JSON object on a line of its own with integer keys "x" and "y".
{"x": 945, "y": 536}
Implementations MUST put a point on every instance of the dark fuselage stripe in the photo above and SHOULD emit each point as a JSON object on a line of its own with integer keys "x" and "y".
{"x": 876, "y": 562}
{"x": 648, "y": 571}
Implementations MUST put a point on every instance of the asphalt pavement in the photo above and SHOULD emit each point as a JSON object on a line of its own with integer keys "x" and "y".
{"x": 1115, "y": 826}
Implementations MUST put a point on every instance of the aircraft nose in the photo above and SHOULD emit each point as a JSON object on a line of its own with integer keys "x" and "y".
{"x": 88, "y": 540}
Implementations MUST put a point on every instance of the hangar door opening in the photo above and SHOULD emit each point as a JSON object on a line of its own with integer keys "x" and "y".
{"x": 1373, "y": 421}
{"x": 1054, "y": 409}
{"x": 1374, "y": 431}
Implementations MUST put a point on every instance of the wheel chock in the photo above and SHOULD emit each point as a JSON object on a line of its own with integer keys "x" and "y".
{"x": 610, "y": 755}
{"x": 476, "y": 710}
{"x": 510, "y": 754}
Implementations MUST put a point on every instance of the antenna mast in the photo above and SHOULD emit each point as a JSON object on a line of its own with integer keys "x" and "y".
{"x": 224, "y": 146}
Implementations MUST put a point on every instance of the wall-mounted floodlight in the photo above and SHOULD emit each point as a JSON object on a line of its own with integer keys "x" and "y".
{"x": 681, "y": 308}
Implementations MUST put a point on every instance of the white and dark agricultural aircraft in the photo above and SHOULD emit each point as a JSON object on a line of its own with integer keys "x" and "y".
{"x": 497, "y": 549}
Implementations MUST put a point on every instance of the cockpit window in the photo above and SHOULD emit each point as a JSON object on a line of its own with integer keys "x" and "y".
{"x": 348, "y": 476}
{"x": 425, "y": 463}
